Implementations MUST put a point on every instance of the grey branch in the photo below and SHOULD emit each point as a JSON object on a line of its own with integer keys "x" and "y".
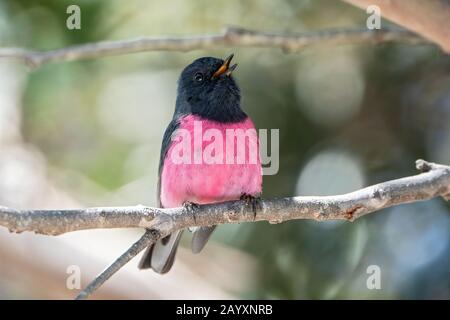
{"x": 231, "y": 37}
{"x": 148, "y": 238}
{"x": 434, "y": 181}
{"x": 430, "y": 19}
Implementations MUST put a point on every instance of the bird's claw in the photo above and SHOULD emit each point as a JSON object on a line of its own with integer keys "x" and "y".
{"x": 190, "y": 206}
{"x": 254, "y": 202}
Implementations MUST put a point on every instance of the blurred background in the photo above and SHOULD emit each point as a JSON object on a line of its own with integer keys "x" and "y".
{"x": 88, "y": 133}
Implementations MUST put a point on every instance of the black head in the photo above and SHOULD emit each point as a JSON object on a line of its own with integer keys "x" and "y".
{"x": 206, "y": 88}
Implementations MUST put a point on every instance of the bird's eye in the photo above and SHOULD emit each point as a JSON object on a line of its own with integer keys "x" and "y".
{"x": 198, "y": 77}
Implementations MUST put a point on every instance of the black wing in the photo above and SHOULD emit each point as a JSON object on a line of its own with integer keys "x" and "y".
{"x": 166, "y": 143}
{"x": 160, "y": 255}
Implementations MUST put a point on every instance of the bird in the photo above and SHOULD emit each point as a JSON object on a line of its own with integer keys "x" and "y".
{"x": 207, "y": 95}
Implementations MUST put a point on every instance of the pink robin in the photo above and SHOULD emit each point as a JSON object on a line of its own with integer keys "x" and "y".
{"x": 208, "y": 97}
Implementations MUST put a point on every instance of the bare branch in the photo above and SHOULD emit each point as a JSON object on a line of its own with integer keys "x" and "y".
{"x": 430, "y": 18}
{"x": 434, "y": 181}
{"x": 147, "y": 239}
{"x": 231, "y": 37}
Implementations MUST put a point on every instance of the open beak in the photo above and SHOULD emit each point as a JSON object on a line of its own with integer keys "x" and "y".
{"x": 225, "y": 68}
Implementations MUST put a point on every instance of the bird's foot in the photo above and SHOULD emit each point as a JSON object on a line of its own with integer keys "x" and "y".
{"x": 254, "y": 202}
{"x": 190, "y": 207}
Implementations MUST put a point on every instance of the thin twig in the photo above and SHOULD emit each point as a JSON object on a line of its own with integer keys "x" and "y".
{"x": 231, "y": 37}
{"x": 147, "y": 239}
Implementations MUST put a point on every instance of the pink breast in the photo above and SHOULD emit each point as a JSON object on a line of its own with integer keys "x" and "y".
{"x": 203, "y": 182}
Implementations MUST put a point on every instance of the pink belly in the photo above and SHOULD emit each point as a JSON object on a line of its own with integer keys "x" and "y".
{"x": 211, "y": 182}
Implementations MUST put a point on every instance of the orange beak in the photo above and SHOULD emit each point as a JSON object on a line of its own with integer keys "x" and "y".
{"x": 225, "y": 68}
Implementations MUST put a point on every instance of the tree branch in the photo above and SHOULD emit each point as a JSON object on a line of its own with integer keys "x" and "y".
{"x": 147, "y": 239}
{"x": 430, "y": 19}
{"x": 231, "y": 37}
{"x": 434, "y": 181}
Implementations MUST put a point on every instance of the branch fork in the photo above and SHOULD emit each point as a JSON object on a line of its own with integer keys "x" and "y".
{"x": 434, "y": 181}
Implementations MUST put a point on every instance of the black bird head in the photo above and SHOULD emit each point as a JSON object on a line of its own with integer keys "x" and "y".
{"x": 207, "y": 88}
